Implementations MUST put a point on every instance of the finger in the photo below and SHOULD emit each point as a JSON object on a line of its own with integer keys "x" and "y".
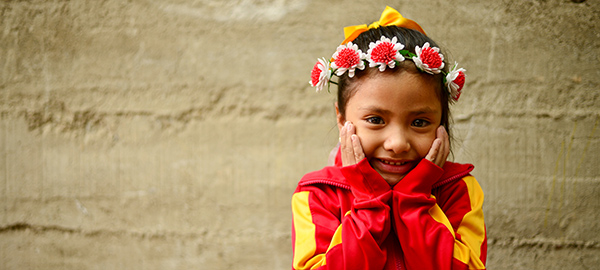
{"x": 447, "y": 143}
{"x": 444, "y": 147}
{"x": 434, "y": 150}
{"x": 359, "y": 154}
{"x": 342, "y": 137}
{"x": 346, "y": 142}
{"x": 349, "y": 132}
{"x": 343, "y": 144}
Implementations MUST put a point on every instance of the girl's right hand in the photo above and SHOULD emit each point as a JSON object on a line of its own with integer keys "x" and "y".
{"x": 351, "y": 149}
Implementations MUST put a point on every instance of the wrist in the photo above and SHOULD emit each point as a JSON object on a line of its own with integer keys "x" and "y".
{"x": 366, "y": 183}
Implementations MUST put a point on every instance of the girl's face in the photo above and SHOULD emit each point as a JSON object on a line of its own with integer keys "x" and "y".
{"x": 396, "y": 116}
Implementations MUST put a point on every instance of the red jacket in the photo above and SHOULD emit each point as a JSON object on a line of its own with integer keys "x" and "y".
{"x": 350, "y": 218}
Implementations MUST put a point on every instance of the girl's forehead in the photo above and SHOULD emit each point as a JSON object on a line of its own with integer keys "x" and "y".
{"x": 398, "y": 93}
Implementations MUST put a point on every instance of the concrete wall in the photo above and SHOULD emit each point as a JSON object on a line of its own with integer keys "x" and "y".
{"x": 171, "y": 134}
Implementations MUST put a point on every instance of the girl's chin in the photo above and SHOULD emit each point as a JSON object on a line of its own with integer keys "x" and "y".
{"x": 391, "y": 173}
{"x": 392, "y": 180}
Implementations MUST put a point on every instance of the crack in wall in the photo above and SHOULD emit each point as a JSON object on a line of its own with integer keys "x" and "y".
{"x": 546, "y": 243}
{"x": 513, "y": 242}
{"x": 41, "y": 229}
{"x": 203, "y": 233}
{"x": 54, "y": 115}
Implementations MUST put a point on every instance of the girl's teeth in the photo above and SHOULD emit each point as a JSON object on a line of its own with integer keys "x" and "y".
{"x": 393, "y": 163}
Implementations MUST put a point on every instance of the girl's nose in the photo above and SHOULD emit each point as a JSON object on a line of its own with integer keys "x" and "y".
{"x": 397, "y": 142}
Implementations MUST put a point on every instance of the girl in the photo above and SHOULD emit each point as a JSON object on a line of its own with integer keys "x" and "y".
{"x": 391, "y": 201}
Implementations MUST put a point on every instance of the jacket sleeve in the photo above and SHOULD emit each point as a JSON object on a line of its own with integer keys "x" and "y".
{"x": 439, "y": 233}
{"x": 324, "y": 238}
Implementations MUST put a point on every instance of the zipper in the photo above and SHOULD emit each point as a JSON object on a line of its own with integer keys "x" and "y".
{"x": 451, "y": 179}
{"x": 324, "y": 181}
{"x": 397, "y": 261}
{"x": 344, "y": 186}
{"x": 397, "y": 251}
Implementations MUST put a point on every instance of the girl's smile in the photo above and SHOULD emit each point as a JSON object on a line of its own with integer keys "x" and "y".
{"x": 402, "y": 167}
{"x": 396, "y": 115}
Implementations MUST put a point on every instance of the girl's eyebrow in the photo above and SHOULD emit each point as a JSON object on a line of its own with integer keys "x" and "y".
{"x": 379, "y": 110}
{"x": 424, "y": 110}
{"x": 375, "y": 109}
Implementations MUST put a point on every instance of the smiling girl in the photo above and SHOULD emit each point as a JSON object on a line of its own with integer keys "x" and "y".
{"x": 391, "y": 201}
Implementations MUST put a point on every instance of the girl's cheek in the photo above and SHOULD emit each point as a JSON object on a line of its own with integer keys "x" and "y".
{"x": 368, "y": 141}
{"x": 426, "y": 144}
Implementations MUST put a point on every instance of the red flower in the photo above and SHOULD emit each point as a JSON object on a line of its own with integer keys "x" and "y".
{"x": 460, "y": 80}
{"x": 384, "y": 53}
{"x": 348, "y": 57}
{"x": 429, "y": 59}
{"x": 320, "y": 74}
{"x": 455, "y": 80}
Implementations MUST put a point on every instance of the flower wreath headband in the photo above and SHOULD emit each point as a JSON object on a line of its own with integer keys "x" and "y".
{"x": 385, "y": 53}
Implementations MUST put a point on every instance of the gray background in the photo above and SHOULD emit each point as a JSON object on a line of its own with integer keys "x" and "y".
{"x": 171, "y": 134}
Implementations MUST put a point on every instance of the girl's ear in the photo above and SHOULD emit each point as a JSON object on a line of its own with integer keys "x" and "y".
{"x": 340, "y": 119}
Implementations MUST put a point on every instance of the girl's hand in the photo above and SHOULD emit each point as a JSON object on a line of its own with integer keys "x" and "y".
{"x": 352, "y": 151}
{"x": 440, "y": 148}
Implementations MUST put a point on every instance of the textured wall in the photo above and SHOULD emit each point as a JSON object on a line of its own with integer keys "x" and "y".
{"x": 171, "y": 134}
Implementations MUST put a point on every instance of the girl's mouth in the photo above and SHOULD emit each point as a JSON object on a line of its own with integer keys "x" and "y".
{"x": 393, "y": 163}
{"x": 393, "y": 167}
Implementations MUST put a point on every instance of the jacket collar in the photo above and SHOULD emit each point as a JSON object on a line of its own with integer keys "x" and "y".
{"x": 331, "y": 175}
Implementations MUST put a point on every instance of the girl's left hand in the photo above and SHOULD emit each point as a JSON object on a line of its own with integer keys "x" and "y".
{"x": 438, "y": 153}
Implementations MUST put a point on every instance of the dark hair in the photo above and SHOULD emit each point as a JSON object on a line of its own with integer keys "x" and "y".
{"x": 410, "y": 38}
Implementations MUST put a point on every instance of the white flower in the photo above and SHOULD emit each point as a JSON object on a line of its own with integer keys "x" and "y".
{"x": 384, "y": 53}
{"x": 320, "y": 74}
{"x": 348, "y": 57}
{"x": 429, "y": 59}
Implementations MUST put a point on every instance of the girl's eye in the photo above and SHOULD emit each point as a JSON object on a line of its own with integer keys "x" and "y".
{"x": 375, "y": 120}
{"x": 420, "y": 123}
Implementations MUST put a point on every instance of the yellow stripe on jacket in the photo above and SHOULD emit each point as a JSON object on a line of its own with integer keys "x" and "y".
{"x": 469, "y": 250}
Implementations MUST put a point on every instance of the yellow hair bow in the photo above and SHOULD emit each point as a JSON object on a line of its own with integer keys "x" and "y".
{"x": 389, "y": 17}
